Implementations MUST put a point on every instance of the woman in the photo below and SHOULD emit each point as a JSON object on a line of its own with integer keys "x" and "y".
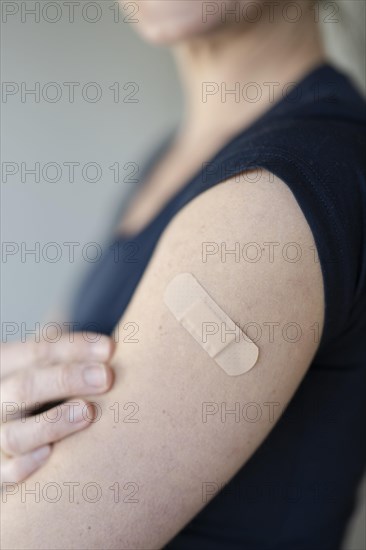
{"x": 260, "y": 195}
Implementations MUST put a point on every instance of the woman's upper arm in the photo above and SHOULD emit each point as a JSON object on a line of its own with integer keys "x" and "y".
{"x": 137, "y": 476}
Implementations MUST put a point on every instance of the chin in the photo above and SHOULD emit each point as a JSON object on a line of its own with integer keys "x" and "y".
{"x": 166, "y": 35}
{"x": 170, "y": 21}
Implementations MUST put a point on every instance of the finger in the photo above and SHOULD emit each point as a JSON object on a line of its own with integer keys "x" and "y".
{"x": 15, "y": 470}
{"x": 20, "y": 437}
{"x": 69, "y": 348}
{"x": 30, "y": 388}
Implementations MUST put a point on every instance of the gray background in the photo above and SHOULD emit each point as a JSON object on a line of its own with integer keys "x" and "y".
{"x": 103, "y": 132}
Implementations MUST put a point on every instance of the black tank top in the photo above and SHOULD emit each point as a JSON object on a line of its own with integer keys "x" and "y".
{"x": 298, "y": 490}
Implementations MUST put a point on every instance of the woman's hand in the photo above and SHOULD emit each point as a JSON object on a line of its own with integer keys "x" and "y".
{"x": 34, "y": 374}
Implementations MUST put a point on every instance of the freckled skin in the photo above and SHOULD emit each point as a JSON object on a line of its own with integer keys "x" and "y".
{"x": 171, "y": 377}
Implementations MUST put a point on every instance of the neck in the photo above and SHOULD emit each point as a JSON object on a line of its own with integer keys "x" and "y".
{"x": 216, "y": 71}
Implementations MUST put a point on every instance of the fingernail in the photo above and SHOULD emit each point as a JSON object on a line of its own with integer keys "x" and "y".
{"x": 42, "y": 453}
{"x": 95, "y": 376}
{"x": 101, "y": 350}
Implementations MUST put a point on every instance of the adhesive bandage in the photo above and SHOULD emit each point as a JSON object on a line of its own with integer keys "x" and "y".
{"x": 209, "y": 325}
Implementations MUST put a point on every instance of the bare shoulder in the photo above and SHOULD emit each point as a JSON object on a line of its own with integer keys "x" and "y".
{"x": 250, "y": 244}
